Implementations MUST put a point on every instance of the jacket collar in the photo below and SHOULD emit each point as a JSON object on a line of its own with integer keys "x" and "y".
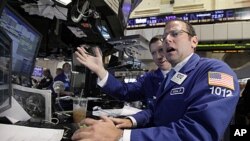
{"x": 190, "y": 65}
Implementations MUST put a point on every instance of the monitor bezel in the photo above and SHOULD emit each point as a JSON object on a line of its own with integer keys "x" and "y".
{"x": 4, "y": 108}
{"x": 2, "y": 5}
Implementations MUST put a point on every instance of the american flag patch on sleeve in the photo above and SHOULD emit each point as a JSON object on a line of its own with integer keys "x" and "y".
{"x": 220, "y": 79}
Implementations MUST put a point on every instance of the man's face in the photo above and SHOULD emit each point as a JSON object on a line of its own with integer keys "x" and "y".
{"x": 178, "y": 44}
{"x": 67, "y": 68}
{"x": 158, "y": 55}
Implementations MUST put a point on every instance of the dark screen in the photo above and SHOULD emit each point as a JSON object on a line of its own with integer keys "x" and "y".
{"x": 2, "y": 4}
{"x": 5, "y": 71}
{"x": 125, "y": 9}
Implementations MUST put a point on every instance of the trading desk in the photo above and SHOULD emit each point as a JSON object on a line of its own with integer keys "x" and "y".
{"x": 67, "y": 125}
{"x": 69, "y": 128}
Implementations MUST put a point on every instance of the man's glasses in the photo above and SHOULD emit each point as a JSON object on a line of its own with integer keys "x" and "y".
{"x": 175, "y": 33}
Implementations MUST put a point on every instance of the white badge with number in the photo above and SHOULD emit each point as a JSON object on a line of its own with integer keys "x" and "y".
{"x": 179, "y": 78}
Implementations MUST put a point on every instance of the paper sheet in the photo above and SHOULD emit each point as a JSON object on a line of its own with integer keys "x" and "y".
{"x": 16, "y": 112}
{"x": 125, "y": 111}
{"x": 22, "y": 133}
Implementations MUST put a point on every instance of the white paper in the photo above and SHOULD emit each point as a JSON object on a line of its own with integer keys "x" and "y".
{"x": 125, "y": 111}
{"x": 128, "y": 110}
{"x": 46, "y": 9}
{"x": 22, "y": 133}
{"x": 30, "y": 94}
{"x": 77, "y": 32}
{"x": 16, "y": 112}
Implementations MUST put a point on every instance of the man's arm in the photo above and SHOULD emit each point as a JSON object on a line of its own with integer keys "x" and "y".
{"x": 124, "y": 91}
{"x": 209, "y": 111}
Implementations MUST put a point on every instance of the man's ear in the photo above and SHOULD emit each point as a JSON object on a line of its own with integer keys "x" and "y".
{"x": 194, "y": 41}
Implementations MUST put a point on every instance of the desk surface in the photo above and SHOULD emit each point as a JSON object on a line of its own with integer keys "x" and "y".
{"x": 69, "y": 128}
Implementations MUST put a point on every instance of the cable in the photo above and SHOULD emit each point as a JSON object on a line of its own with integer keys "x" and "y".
{"x": 51, "y": 122}
{"x": 85, "y": 11}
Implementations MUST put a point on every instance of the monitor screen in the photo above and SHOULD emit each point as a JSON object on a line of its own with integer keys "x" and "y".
{"x": 26, "y": 41}
{"x": 76, "y": 65}
{"x": 125, "y": 9}
{"x": 2, "y": 4}
{"x": 5, "y": 71}
{"x": 103, "y": 29}
{"x": 38, "y": 71}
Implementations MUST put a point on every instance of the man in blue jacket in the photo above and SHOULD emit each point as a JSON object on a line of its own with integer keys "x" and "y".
{"x": 65, "y": 78}
{"x": 197, "y": 104}
{"x": 146, "y": 85}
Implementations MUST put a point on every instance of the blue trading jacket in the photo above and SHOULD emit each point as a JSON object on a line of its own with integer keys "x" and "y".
{"x": 62, "y": 77}
{"x": 144, "y": 89}
{"x": 193, "y": 110}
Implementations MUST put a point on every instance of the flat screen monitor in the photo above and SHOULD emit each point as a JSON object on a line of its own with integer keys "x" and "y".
{"x": 25, "y": 41}
{"x": 104, "y": 30}
{"x": 76, "y": 65}
{"x": 125, "y": 9}
{"x": 5, "y": 71}
{"x": 38, "y": 71}
{"x": 2, "y": 4}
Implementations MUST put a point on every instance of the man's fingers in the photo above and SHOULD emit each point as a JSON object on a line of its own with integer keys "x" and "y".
{"x": 98, "y": 52}
{"x": 90, "y": 121}
{"x": 115, "y": 120}
{"x": 80, "y": 53}
{"x": 81, "y": 134}
{"x": 106, "y": 119}
{"x": 81, "y": 50}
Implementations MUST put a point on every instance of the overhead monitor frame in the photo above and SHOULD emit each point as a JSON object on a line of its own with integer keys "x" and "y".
{"x": 5, "y": 67}
{"x": 2, "y": 4}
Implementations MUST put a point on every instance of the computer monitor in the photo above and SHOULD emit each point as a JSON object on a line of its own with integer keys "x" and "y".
{"x": 103, "y": 29}
{"x": 76, "y": 65}
{"x": 2, "y": 4}
{"x": 25, "y": 41}
{"x": 125, "y": 9}
{"x": 5, "y": 71}
{"x": 38, "y": 71}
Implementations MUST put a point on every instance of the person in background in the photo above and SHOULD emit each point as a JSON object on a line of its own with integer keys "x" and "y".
{"x": 60, "y": 105}
{"x": 65, "y": 78}
{"x": 46, "y": 81}
{"x": 198, "y": 102}
{"x": 145, "y": 86}
{"x": 59, "y": 71}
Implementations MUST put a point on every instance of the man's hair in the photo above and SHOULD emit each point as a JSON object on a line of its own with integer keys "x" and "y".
{"x": 65, "y": 64}
{"x": 189, "y": 27}
{"x": 155, "y": 39}
{"x": 48, "y": 70}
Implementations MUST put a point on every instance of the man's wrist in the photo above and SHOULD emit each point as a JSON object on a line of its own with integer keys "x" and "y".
{"x": 102, "y": 73}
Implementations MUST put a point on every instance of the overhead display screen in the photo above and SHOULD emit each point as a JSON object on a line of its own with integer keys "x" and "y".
{"x": 216, "y": 16}
{"x": 223, "y": 46}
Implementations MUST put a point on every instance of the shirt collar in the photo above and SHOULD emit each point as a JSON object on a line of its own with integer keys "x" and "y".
{"x": 178, "y": 67}
{"x": 164, "y": 72}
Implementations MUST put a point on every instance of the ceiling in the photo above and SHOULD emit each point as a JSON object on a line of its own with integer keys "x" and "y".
{"x": 59, "y": 40}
